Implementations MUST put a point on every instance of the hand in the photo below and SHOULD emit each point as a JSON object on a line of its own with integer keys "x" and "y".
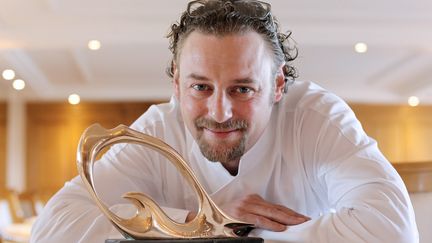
{"x": 255, "y": 210}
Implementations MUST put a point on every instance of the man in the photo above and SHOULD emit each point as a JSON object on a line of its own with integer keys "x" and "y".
{"x": 297, "y": 165}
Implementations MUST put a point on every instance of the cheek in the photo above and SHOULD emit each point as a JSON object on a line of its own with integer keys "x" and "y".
{"x": 245, "y": 111}
{"x": 191, "y": 108}
{"x": 256, "y": 112}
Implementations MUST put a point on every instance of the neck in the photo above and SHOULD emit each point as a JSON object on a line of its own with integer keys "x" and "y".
{"x": 231, "y": 166}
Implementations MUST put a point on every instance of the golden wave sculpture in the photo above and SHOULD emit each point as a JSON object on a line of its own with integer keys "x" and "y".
{"x": 150, "y": 221}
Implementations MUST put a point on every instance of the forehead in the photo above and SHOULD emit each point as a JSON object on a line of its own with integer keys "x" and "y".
{"x": 232, "y": 50}
{"x": 245, "y": 40}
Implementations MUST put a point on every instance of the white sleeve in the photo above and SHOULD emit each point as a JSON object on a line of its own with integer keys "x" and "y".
{"x": 367, "y": 200}
{"x": 72, "y": 216}
{"x": 363, "y": 211}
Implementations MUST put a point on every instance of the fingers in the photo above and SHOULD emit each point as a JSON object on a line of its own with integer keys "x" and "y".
{"x": 264, "y": 223}
{"x": 297, "y": 217}
{"x": 283, "y": 216}
{"x": 261, "y": 212}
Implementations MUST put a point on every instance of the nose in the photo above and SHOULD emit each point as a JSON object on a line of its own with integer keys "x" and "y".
{"x": 220, "y": 107}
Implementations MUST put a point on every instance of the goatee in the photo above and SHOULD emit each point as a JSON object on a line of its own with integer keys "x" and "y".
{"x": 222, "y": 152}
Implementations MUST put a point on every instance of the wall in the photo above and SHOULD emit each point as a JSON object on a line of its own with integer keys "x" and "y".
{"x": 404, "y": 133}
{"x": 2, "y": 146}
{"x": 53, "y": 132}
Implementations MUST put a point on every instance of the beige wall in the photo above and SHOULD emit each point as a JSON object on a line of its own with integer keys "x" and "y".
{"x": 404, "y": 133}
{"x": 53, "y": 132}
{"x": 2, "y": 146}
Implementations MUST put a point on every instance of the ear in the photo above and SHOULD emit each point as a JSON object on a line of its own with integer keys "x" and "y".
{"x": 280, "y": 84}
{"x": 176, "y": 81}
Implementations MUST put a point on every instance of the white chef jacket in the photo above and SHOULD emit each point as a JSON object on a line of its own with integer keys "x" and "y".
{"x": 313, "y": 157}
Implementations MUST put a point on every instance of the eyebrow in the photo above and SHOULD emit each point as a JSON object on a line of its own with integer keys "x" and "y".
{"x": 198, "y": 77}
{"x": 204, "y": 78}
{"x": 245, "y": 81}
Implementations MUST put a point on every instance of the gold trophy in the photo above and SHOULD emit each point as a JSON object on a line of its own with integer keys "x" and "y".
{"x": 150, "y": 223}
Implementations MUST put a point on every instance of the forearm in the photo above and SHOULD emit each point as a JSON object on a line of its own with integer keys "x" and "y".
{"x": 376, "y": 216}
{"x": 72, "y": 216}
{"x": 69, "y": 217}
{"x": 342, "y": 227}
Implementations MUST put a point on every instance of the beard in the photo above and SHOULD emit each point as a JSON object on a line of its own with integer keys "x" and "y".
{"x": 222, "y": 152}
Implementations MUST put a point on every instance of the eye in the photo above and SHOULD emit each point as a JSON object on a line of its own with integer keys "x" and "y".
{"x": 200, "y": 87}
{"x": 243, "y": 90}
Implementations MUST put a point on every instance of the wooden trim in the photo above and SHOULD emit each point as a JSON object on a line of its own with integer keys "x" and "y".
{"x": 417, "y": 176}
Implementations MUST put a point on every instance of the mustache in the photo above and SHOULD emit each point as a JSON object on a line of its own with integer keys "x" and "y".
{"x": 230, "y": 124}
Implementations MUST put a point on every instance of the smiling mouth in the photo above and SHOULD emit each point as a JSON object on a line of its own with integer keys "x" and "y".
{"x": 225, "y": 127}
{"x": 220, "y": 131}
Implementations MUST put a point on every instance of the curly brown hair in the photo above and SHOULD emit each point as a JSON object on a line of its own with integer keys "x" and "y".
{"x": 222, "y": 17}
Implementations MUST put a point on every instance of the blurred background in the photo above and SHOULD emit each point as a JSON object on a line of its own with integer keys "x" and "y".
{"x": 66, "y": 64}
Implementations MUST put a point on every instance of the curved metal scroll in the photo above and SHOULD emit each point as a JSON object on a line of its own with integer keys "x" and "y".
{"x": 149, "y": 220}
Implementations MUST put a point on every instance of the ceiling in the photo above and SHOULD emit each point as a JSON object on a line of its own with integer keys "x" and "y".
{"x": 45, "y": 42}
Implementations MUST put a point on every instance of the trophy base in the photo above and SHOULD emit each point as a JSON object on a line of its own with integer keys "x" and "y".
{"x": 196, "y": 240}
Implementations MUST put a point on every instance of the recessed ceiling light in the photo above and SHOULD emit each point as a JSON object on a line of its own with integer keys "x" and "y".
{"x": 8, "y": 74}
{"x": 74, "y": 99}
{"x": 360, "y": 47}
{"x": 413, "y": 101}
{"x": 18, "y": 84}
{"x": 94, "y": 45}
